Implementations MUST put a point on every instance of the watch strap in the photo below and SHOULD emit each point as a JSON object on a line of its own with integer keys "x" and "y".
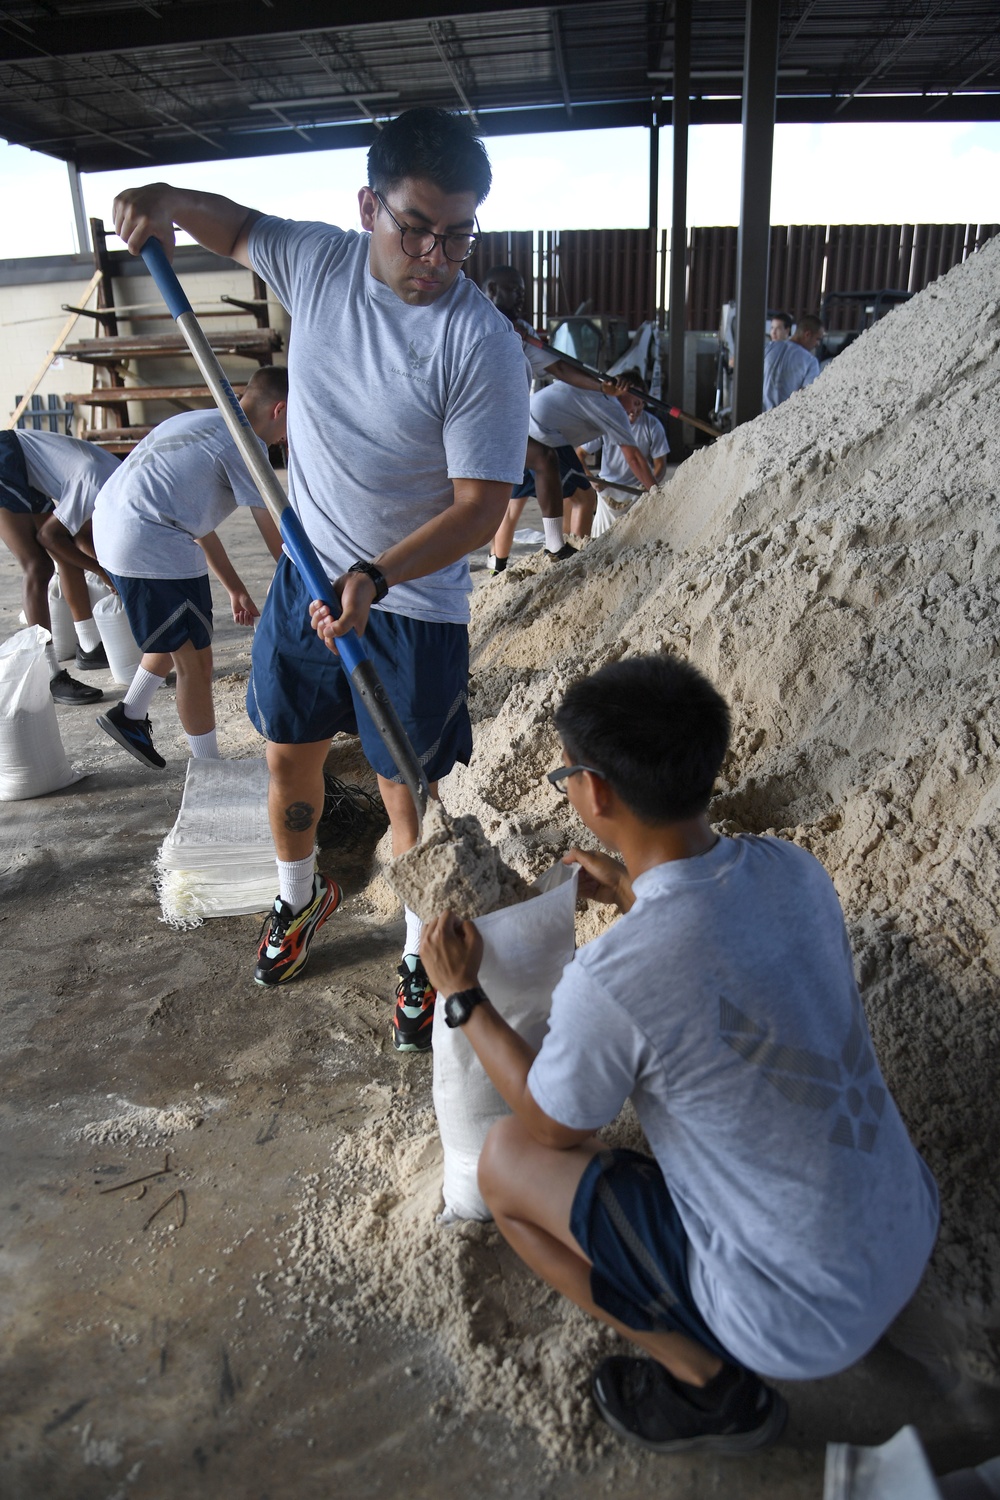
{"x": 375, "y": 574}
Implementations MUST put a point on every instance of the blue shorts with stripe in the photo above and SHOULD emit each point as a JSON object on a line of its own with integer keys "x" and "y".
{"x": 627, "y": 1225}
{"x": 165, "y": 613}
{"x": 570, "y": 472}
{"x": 16, "y": 494}
{"x": 299, "y": 692}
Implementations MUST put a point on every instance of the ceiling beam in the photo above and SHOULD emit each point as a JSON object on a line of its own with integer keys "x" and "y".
{"x": 225, "y": 20}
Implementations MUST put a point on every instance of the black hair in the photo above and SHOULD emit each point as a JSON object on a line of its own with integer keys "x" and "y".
{"x": 432, "y": 144}
{"x": 655, "y": 729}
{"x": 782, "y": 317}
{"x": 634, "y": 377}
{"x": 495, "y": 271}
{"x": 268, "y": 384}
{"x": 808, "y": 323}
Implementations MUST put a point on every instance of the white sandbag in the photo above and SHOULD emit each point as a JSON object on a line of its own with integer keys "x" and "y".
{"x": 525, "y": 949}
{"x": 63, "y": 630}
{"x": 96, "y": 588}
{"x": 119, "y": 643}
{"x": 32, "y": 759}
{"x": 218, "y": 859}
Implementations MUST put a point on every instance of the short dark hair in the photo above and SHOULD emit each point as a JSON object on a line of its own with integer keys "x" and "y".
{"x": 808, "y": 323}
{"x": 495, "y": 271}
{"x": 634, "y": 376}
{"x": 782, "y": 317}
{"x": 655, "y": 729}
{"x": 432, "y": 144}
{"x": 268, "y": 384}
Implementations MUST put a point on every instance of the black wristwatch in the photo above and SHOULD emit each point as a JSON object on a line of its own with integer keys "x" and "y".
{"x": 459, "y": 1006}
{"x": 377, "y": 577}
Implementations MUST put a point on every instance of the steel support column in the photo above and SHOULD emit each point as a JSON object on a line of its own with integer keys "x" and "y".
{"x": 678, "y": 216}
{"x": 654, "y": 199}
{"x": 760, "y": 78}
{"x": 83, "y": 245}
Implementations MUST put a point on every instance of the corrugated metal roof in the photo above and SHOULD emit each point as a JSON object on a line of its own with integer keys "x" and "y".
{"x": 109, "y": 84}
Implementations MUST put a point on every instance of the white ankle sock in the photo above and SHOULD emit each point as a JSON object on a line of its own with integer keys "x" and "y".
{"x": 141, "y": 692}
{"x": 204, "y": 746}
{"x": 552, "y": 526}
{"x": 87, "y": 634}
{"x": 411, "y": 943}
{"x": 295, "y": 882}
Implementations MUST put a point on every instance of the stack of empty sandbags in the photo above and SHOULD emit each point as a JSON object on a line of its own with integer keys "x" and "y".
{"x": 218, "y": 859}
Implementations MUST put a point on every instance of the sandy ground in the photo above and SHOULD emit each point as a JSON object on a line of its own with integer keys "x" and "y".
{"x": 184, "y": 1356}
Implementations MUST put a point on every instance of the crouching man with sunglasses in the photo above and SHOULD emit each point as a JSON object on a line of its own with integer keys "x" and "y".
{"x": 783, "y": 1217}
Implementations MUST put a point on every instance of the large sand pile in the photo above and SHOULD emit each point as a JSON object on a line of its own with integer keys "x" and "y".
{"x": 834, "y": 567}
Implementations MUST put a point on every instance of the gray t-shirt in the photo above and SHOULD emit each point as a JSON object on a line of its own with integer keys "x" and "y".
{"x": 787, "y": 368}
{"x": 562, "y": 413}
{"x": 181, "y": 482}
{"x": 68, "y": 470}
{"x": 724, "y": 1004}
{"x": 388, "y": 404}
{"x": 648, "y": 436}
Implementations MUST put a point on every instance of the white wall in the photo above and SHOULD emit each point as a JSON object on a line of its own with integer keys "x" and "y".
{"x": 31, "y": 317}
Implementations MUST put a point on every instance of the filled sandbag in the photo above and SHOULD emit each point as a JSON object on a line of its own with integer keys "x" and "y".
{"x": 61, "y": 620}
{"x": 32, "y": 759}
{"x": 96, "y": 588}
{"x": 525, "y": 949}
{"x": 119, "y": 643}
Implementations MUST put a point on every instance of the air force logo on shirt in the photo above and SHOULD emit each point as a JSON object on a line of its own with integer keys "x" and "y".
{"x": 839, "y": 1084}
{"x": 417, "y": 362}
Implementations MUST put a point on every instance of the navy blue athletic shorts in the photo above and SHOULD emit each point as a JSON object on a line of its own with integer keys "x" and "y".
{"x": 570, "y": 472}
{"x": 627, "y": 1225}
{"x": 299, "y": 693}
{"x": 164, "y": 613}
{"x": 16, "y": 494}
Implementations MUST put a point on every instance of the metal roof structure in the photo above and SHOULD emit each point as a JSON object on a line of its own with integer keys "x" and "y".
{"x": 107, "y": 84}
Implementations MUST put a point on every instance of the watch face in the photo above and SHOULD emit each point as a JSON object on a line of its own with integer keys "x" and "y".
{"x": 456, "y": 1010}
{"x": 459, "y": 1007}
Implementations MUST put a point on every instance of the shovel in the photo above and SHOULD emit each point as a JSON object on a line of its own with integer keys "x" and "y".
{"x": 636, "y": 390}
{"x": 352, "y": 652}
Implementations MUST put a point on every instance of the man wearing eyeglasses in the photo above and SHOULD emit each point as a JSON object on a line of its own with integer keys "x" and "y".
{"x": 782, "y": 1217}
{"x": 407, "y": 425}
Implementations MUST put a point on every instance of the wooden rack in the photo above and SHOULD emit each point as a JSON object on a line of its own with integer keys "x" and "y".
{"x": 114, "y": 354}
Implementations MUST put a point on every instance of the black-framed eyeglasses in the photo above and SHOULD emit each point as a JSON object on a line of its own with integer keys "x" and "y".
{"x": 417, "y": 243}
{"x": 558, "y": 777}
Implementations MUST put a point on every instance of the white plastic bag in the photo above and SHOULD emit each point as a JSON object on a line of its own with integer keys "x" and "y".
{"x": 63, "y": 629}
{"x": 119, "y": 644}
{"x": 32, "y": 758}
{"x": 525, "y": 949}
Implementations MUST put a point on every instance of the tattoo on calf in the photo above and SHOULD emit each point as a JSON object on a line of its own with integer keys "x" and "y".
{"x": 299, "y": 816}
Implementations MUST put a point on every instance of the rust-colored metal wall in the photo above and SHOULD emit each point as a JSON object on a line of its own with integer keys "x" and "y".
{"x": 614, "y": 270}
{"x": 808, "y": 260}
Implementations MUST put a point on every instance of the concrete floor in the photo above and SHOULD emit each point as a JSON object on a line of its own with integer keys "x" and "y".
{"x": 139, "y": 1362}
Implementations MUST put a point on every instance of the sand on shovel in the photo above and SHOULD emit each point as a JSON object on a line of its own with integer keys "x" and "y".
{"x": 454, "y": 867}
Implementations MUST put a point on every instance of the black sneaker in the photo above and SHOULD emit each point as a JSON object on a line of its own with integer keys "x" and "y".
{"x": 92, "y": 661}
{"x": 134, "y": 735}
{"x": 642, "y": 1402}
{"x": 285, "y": 936}
{"x": 566, "y": 551}
{"x": 495, "y": 565}
{"x": 66, "y": 689}
{"x": 414, "y": 1013}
